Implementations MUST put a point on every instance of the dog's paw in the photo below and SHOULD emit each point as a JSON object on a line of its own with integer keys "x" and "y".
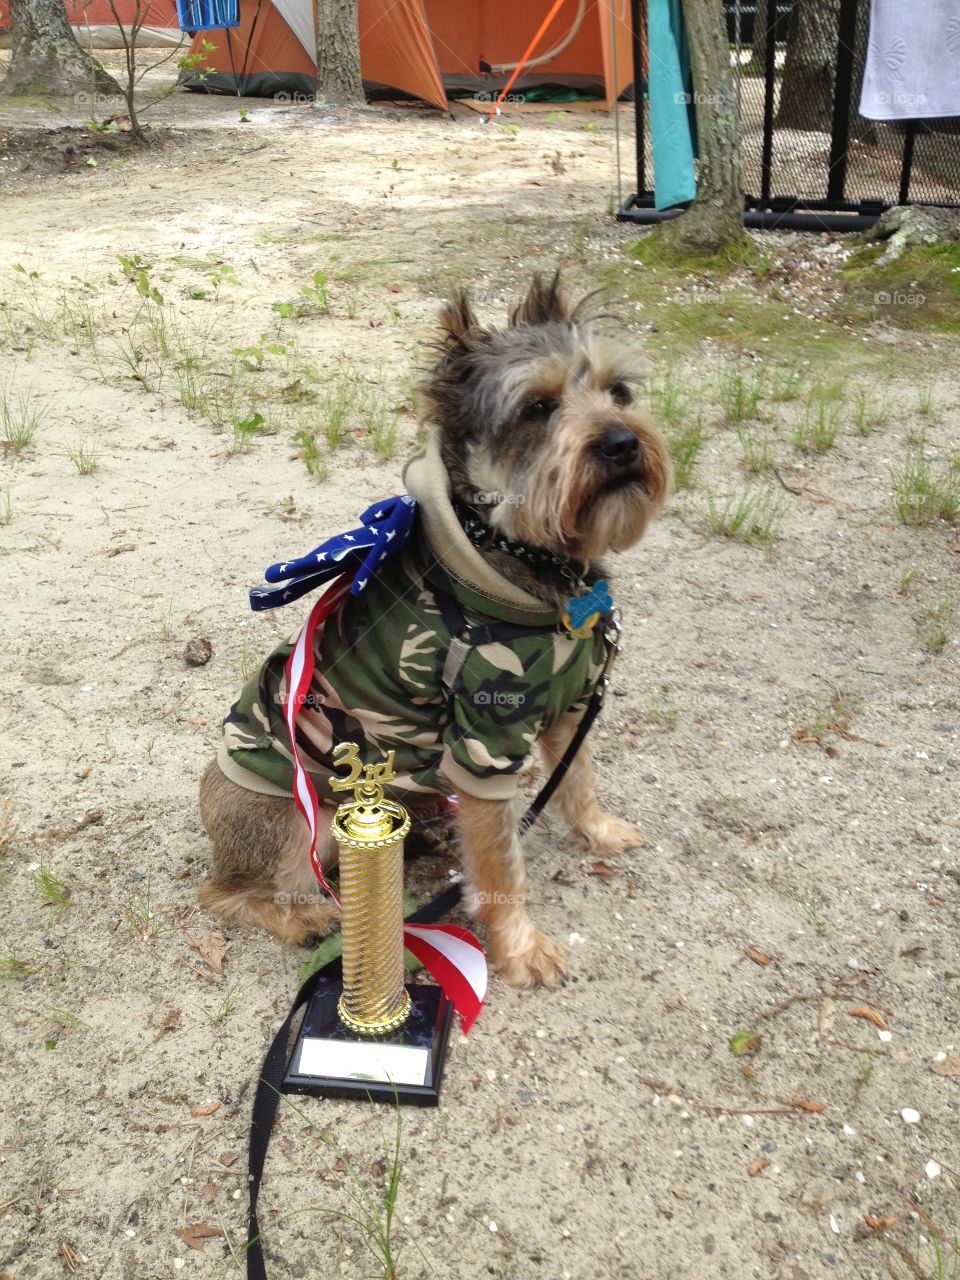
{"x": 612, "y": 835}
{"x": 539, "y": 962}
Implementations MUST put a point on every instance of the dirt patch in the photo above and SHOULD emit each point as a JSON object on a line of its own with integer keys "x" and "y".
{"x": 682, "y": 1107}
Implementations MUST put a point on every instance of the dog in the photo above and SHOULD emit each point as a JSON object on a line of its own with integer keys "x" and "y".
{"x": 538, "y": 461}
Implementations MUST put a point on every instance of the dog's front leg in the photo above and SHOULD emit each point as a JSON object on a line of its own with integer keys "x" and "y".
{"x": 577, "y": 797}
{"x": 493, "y": 865}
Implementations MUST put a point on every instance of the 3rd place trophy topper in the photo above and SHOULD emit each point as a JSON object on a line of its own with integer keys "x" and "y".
{"x": 371, "y": 1035}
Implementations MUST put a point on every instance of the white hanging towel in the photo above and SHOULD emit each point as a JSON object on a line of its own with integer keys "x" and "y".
{"x": 913, "y": 60}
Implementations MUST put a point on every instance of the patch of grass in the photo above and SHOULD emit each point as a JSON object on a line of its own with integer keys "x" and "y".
{"x": 313, "y": 299}
{"x": 13, "y": 967}
{"x": 657, "y": 251}
{"x": 243, "y": 430}
{"x": 142, "y": 915}
{"x": 833, "y": 717}
{"x": 757, "y": 443}
{"x": 868, "y": 414}
{"x": 309, "y": 449}
{"x": 937, "y": 622}
{"x": 248, "y": 662}
{"x": 20, "y": 419}
{"x": 228, "y": 1003}
{"x": 818, "y": 427}
{"x": 374, "y": 1207}
{"x": 919, "y": 290}
{"x": 660, "y": 713}
{"x": 84, "y": 457}
{"x": 924, "y": 494}
{"x": 740, "y": 393}
{"x": 383, "y": 425}
{"x": 339, "y": 401}
{"x": 52, "y": 890}
{"x": 751, "y": 516}
{"x": 669, "y": 398}
{"x": 685, "y": 443}
{"x": 786, "y": 383}
{"x": 811, "y": 909}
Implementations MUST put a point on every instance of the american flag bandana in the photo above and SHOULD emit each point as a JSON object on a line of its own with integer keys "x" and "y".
{"x": 451, "y": 954}
{"x": 384, "y": 530}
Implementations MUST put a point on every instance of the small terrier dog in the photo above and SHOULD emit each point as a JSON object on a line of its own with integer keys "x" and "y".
{"x": 538, "y": 462}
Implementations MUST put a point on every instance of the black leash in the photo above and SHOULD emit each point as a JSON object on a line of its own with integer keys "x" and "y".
{"x": 270, "y": 1085}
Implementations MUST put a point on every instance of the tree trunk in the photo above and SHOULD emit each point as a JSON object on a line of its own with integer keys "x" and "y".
{"x": 715, "y": 219}
{"x": 810, "y": 67}
{"x": 45, "y": 57}
{"x": 338, "y": 52}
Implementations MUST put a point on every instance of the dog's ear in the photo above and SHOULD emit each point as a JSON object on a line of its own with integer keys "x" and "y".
{"x": 460, "y": 326}
{"x": 544, "y": 303}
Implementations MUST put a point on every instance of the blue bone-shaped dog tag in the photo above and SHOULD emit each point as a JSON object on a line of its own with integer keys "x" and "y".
{"x": 584, "y": 610}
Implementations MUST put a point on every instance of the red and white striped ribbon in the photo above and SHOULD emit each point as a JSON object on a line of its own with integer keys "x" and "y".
{"x": 450, "y": 953}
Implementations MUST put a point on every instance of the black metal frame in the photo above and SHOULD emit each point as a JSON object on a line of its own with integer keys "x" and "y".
{"x": 767, "y": 211}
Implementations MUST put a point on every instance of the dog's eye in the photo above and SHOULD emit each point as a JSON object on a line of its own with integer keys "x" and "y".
{"x": 621, "y": 393}
{"x": 538, "y": 409}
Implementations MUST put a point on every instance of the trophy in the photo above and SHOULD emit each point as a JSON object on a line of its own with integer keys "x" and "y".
{"x": 370, "y": 1035}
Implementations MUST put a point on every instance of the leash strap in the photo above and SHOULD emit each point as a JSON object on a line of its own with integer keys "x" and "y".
{"x": 270, "y": 1085}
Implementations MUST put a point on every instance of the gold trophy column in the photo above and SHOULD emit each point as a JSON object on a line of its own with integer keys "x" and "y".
{"x": 370, "y": 831}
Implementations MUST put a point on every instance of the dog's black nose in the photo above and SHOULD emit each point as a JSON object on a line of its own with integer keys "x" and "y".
{"x": 619, "y": 446}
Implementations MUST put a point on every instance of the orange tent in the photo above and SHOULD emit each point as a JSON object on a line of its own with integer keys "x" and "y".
{"x": 461, "y": 46}
{"x": 96, "y": 26}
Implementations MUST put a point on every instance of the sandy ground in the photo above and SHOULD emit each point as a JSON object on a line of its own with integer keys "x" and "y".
{"x": 605, "y": 1130}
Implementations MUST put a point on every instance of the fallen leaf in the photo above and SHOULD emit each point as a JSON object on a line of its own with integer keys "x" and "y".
{"x": 744, "y": 1042}
{"x": 679, "y": 1191}
{"x": 758, "y": 1166}
{"x": 208, "y": 1110}
{"x": 758, "y": 956}
{"x": 208, "y": 1191}
{"x": 124, "y": 546}
{"x": 171, "y": 1022}
{"x": 228, "y": 1158}
{"x": 806, "y": 1105}
{"x": 949, "y": 1066}
{"x": 602, "y": 869}
{"x": 198, "y": 1234}
{"x": 877, "y": 1224}
{"x": 212, "y": 946}
{"x": 869, "y": 1014}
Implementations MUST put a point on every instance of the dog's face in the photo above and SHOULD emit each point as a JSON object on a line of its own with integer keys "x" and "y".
{"x": 539, "y": 427}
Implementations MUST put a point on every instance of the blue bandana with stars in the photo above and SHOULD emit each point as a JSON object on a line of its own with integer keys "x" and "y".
{"x": 384, "y": 530}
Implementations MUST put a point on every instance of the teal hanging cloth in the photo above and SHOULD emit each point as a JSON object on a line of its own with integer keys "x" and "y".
{"x": 672, "y": 114}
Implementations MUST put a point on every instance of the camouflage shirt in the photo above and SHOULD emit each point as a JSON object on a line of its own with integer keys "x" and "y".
{"x": 377, "y": 682}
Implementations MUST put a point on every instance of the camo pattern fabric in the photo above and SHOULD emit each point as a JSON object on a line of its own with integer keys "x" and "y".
{"x": 377, "y": 683}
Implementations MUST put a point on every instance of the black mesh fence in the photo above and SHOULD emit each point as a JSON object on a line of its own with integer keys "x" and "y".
{"x": 799, "y": 68}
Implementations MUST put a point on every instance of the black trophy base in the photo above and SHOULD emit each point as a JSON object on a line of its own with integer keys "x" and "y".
{"x": 403, "y": 1066}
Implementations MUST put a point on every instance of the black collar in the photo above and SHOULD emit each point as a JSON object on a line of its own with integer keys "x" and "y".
{"x": 485, "y": 538}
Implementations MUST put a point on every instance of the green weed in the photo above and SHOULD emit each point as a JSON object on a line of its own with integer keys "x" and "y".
{"x": 937, "y": 622}
{"x": 313, "y": 459}
{"x": 922, "y": 495}
{"x": 751, "y": 516}
{"x": 20, "y": 419}
{"x": 53, "y": 892}
{"x": 84, "y": 457}
{"x": 756, "y": 441}
{"x": 818, "y": 428}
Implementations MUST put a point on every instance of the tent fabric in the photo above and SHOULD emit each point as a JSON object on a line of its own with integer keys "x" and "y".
{"x": 409, "y": 46}
{"x": 96, "y": 25}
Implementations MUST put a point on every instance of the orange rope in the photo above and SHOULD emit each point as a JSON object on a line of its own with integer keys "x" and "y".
{"x": 527, "y": 52}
